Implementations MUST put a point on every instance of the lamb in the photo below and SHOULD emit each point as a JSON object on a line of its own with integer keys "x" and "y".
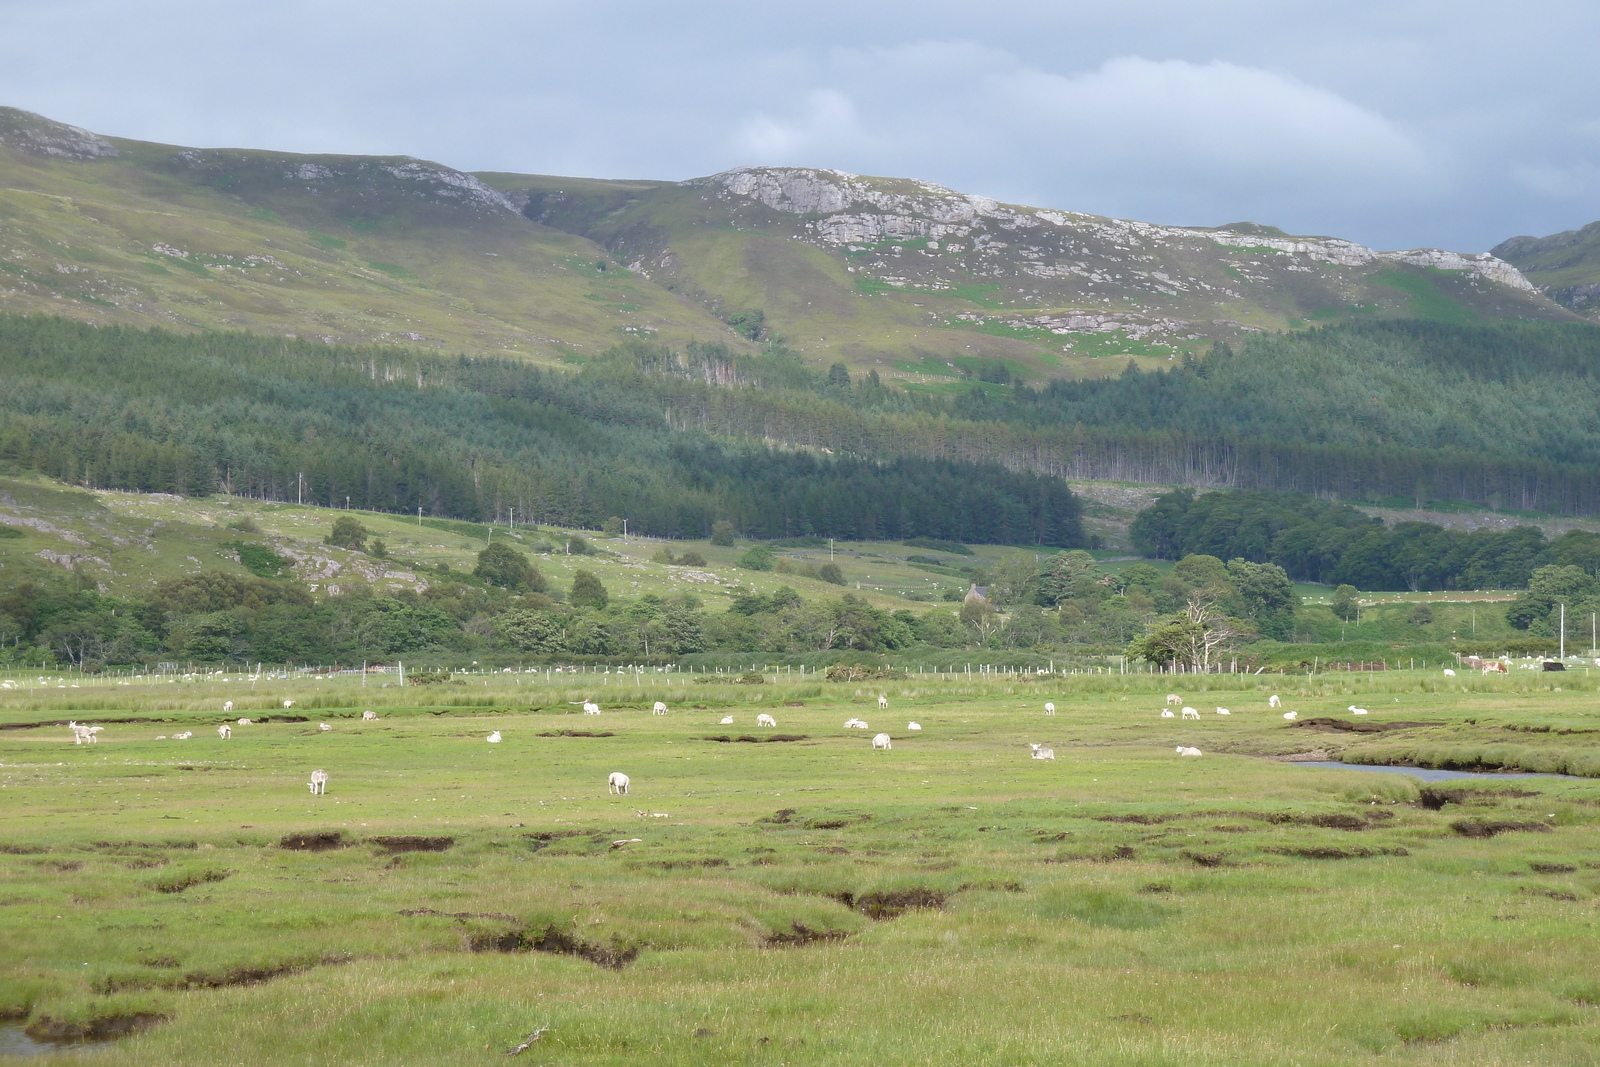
{"x": 1224, "y": 711}
{"x": 1184, "y": 750}
{"x": 287, "y": 704}
{"x": 319, "y": 782}
{"x": 369, "y": 716}
{"x": 726, "y": 720}
{"x": 1274, "y": 702}
{"x": 80, "y": 734}
{"x": 855, "y": 724}
{"x": 913, "y": 726}
{"x": 765, "y": 720}
{"x": 1352, "y": 707}
{"x": 659, "y": 709}
{"x": 1358, "y": 711}
{"x": 1166, "y": 713}
{"x": 1190, "y": 713}
{"x": 227, "y": 705}
{"x": 323, "y": 727}
{"x": 1448, "y": 673}
{"x": 882, "y": 741}
{"x": 183, "y": 736}
{"x": 1291, "y": 715}
{"x": 494, "y": 738}
{"x": 1049, "y": 708}
{"x": 883, "y": 702}
{"x": 244, "y": 722}
{"x": 617, "y": 783}
{"x": 591, "y": 708}
{"x": 1174, "y": 698}
{"x": 224, "y": 731}
{"x": 1042, "y": 752}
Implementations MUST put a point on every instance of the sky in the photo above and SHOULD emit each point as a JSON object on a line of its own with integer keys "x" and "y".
{"x": 1397, "y": 123}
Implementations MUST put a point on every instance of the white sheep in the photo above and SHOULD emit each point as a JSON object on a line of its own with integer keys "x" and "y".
{"x": 1448, "y": 673}
{"x": 856, "y": 724}
{"x": 80, "y": 734}
{"x": 494, "y": 738}
{"x": 913, "y": 726}
{"x": 183, "y": 736}
{"x": 1224, "y": 711}
{"x": 244, "y": 722}
{"x": 726, "y": 720}
{"x": 765, "y": 720}
{"x": 323, "y": 727}
{"x": 1049, "y": 708}
{"x": 1352, "y": 707}
{"x": 224, "y": 731}
{"x": 1174, "y": 698}
{"x": 369, "y": 716}
{"x": 591, "y": 708}
{"x": 287, "y": 704}
{"x": 1184, "y": 750}
{"x": 659, "y": 709}
{"x": 882, "y": 741}
{"x": 1274, "y": 702}
{"x": 1042, "y": 752}
{"x": 1166, "y": 713}
{"x": 1291, "y": 715}
{"x": 227, "y": 705}
{"x": 319, "y": 782}
{"x": 617, "y": 783}
{"x": 1358, "y": 711}
{"x": 1190, "y": 713}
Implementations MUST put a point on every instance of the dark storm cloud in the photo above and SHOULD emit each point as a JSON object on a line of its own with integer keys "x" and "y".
{"x": 1398, "y": 124}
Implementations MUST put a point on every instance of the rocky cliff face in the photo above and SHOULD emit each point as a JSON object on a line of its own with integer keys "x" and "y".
{"x": 40, "y": 136}
{"x": 1564, "y": 266}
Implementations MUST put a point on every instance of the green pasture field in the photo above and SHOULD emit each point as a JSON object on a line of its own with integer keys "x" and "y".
{"x": 788, "y": 895}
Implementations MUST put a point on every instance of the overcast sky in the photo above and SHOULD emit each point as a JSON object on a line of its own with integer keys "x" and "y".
{"x": 1393, "y": 122}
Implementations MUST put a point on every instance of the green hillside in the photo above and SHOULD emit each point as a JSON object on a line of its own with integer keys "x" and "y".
{"x": 1565, "y": 265}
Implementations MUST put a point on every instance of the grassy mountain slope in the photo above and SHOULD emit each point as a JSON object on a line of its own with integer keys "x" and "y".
{"x": 923, "y": 283}
{"x": 1565, "y": 265}
{"x": 341, "y": 248}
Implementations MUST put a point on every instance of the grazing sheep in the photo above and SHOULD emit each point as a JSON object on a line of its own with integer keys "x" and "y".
{"x": 319, "y": 782}
{"x": 183, "y": 736}
{"x": 883, "y": 702}
{"x": 224, "y": 731}
{"x": 882, "y": 741}
{"x": 913, "y": 726}
{"x": 1224, "y": 711}
{"x": 244, "y": 722}
{"x": 1190, "y": 713}
{"x": 1174, "y": 698}
{"x": 494, "y": 738}
{"x": 726, "y": 720}
{"x": 1448, "y": 673}
{"x": 617, "y": 783}
{"x": 1041, "y": 752}
{"x": 227, "y": 705}
{"x": 659, "y": 709}
{"x": 1186, "y": 751}
{"x": 765, "y": 720}
{"x": 1166, "y": 713}
{"x": 1291, "y": 715}
{"x": 287, "y": 704}
{"x": 369, "y": 716}
{"x": 1274, "y": 702}
{"x": 591, "y": 708}
{"x": 324, "y": 727}
{"x": 1049, "y": 708}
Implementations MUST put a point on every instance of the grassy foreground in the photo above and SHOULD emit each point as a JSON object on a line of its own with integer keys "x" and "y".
{"x": 805, "y": 901}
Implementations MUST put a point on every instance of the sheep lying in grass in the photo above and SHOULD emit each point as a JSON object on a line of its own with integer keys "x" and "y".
{"x": 319, "y": 782}
{"x": 1186, "y": 751}
{"x": 1224, "y": 711}
{"x": 1274, "y": 702}
{"x": 1190, "y": 713}
{"x": 1291, "y": 715}
{"x": 617, "y": 783}
{"x": 855, "y": 724}
{"x": 1174, "y": 698}
{"x": 882, "y": 741}
{"x": 913, "y": 726}
{"x": 1448, "y": 673}
{"x": 659, "y": 709}
{"x": 1042, "y": 752}
{"x": 244, "y": 722}
{"x": 1049, "y": 708}
{"x": 1352, "y": 709}
{"x": 765, "y": 720}
{"x": 183, "y": 736}
{"x": 591, "y": 708}
{"x": 883, "y": 702}
{"x": 1166, "y": 713}
{"x": 726, "y": 720}
{"x": 224, "y": 731}
{"x": 494, "y": 738}
{"x": 323, "y": 727}
{"x": 369, "y": 716}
